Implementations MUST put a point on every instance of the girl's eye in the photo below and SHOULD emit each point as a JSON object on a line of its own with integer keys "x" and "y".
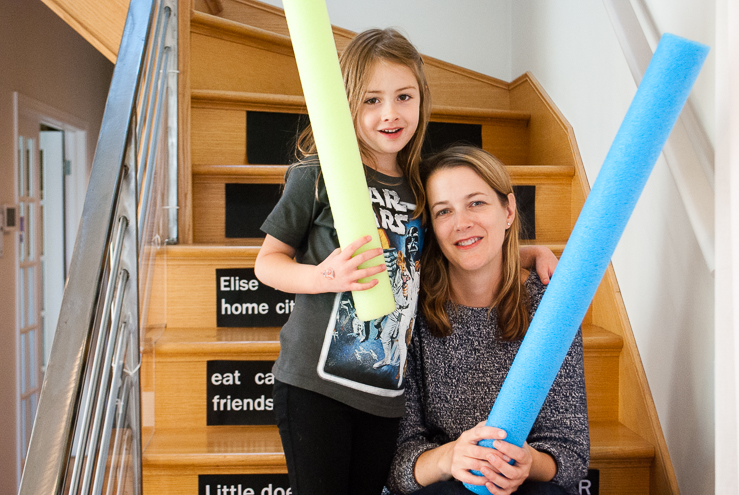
{"x": 372, "y": 101}
{"x": 404, "y": 97}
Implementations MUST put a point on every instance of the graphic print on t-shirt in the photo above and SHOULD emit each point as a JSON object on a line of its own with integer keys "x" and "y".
{"x": 371, "y": 356}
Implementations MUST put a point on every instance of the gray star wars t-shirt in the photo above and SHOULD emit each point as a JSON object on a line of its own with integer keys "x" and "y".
{"x": 324, "y": 347}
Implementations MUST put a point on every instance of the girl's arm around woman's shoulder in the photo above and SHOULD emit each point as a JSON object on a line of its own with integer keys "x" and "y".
{"x": 540, "y": 258}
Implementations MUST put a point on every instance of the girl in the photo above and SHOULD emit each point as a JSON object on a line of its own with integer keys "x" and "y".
{"x": 476, "y": 304}
{"x": 339, "y": 385}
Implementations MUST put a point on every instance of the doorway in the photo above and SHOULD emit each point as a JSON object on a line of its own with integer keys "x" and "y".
{"x": 52, "y": 171}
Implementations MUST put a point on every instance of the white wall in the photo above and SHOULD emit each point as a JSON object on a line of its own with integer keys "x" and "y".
{"x": 438, "y": 28}
{"x": 571, "y": 49}
{"x": 43, "y": 59}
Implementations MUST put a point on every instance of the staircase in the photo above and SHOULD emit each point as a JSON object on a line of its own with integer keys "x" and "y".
{"x": 236, "y": 58}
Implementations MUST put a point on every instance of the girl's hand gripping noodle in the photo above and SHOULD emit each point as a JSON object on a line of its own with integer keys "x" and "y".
{"x": 336, "y": 142}
{"x": 635, "y": 149}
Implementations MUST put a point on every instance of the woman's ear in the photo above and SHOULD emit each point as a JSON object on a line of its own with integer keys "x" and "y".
{"x": 511, "y": 209}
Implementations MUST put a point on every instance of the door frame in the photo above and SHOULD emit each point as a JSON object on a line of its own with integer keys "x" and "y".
{"x": 75, "y": 145}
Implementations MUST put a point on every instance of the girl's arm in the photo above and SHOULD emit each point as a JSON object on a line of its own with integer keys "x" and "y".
{"x": 539, "y": 257}
{"x": 339, "y": 272}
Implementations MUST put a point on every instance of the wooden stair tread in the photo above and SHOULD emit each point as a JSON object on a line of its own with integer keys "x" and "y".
{"x": 231, "y": 445}
{"x": 215, "y": 446}
{"x": 234, "y": 342}
{"x": 296, "y": 104}
{"x": 211, "y": 251}
{"x": 237, "y": 32}
{"x": 214, "y": 251}
{"x": 611, "y": 440}
{"x": 244, "y": 340}
{"x": 277, "y": 172}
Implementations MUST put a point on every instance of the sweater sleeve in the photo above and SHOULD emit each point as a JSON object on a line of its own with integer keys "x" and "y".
{"x": 414, "y": 437}
{"x": 561, "y": 429}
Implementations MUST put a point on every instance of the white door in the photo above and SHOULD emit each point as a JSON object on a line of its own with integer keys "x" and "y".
{"x": 28, "y": 291}
{"x": 53, "y": 269}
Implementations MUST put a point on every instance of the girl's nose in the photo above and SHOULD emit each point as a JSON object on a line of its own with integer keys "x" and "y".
{"x": 389, "y": 112}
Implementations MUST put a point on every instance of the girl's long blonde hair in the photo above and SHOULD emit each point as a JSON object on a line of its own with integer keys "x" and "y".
{"x": 511, "y": 301}
{"x": 357, "y": 62}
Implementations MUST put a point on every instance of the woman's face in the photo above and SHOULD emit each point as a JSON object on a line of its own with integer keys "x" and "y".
{"x": 469, "y": 220}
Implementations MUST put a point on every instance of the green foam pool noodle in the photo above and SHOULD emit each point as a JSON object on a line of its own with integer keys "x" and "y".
{"x": 336, "y": 143}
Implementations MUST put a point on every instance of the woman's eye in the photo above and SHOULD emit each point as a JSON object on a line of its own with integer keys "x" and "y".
{"x": 477, "y": 203}
{"x": 443, "y": 212}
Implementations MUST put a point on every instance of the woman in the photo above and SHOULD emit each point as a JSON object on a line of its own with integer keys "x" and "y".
{"x": 476, "y": 304}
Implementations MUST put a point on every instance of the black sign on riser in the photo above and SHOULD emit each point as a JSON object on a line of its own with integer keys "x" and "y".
{"x": 591, "y": 484}
{"x": 242, "y": 301}
{"x": 243, "y": 484}
{"x": 240, "y": 393}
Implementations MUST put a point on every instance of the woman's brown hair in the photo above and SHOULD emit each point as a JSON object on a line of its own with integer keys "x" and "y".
{"x": 511, "y": 301}
{"x": 357, "y": 62}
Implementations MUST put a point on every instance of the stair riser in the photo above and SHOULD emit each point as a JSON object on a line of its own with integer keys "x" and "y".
{"x": 209, "y": 201}
{"x": 181, "y": 390}
{"x": 627, "y": 478}
{"x": 191, "y": 289}
{"x": 225, "y": 65}
{"x": 624, "y": 478}
{"x": 185, "y": 481}
{"x": 601, "y": 385}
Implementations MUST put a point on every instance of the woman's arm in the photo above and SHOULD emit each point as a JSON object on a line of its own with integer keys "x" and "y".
{"x": 456, "y": 459}
{"x": 339, "y": 272}
{"x": 539, "y": 257}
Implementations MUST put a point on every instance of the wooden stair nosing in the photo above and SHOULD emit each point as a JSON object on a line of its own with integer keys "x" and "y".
{"x": 601, "y": 341}
{"x": 256, "y": 172}
{"x": 231, "y": 343}
{"x": 221, "y": 252}
{"x": 612, "y": 441}
{"x": 203, "y": 341}
{"x": 277, "y": 172}
{"x": 236, "y": 32}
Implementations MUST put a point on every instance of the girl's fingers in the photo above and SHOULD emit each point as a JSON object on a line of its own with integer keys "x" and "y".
{"x": 359, "y": 286}
{"x": 368, "y": 272}
{"x": 352, "y": 248}
{"x": 366, "y": 256}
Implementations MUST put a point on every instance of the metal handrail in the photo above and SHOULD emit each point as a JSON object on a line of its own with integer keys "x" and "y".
{"x": 90, "y": 399}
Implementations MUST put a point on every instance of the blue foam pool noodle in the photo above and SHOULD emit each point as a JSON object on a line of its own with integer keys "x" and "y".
{"x": 635, "y": 149}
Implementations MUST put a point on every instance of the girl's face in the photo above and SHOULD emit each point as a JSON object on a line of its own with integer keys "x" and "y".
{"x": 468, "y": 219}
{"x": 388, "y": 114}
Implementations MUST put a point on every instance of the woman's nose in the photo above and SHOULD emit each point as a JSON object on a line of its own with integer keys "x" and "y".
{"x": 463, "y": 221}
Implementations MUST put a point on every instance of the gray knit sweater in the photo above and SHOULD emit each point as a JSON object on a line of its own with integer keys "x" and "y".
{"x": 452, "y": 383}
